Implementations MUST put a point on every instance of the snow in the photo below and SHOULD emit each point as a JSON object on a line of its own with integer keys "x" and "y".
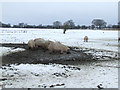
{"x": 40, "y": 76}
{"x": 98, "y": 39}
{"x": 7, "y": 50}
{"x": 102, "y": 44}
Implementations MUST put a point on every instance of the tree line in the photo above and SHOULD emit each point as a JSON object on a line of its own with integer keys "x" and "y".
{"x": 95, "y": 24}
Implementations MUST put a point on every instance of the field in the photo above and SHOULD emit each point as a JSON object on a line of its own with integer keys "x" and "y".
{"x": 103, "y": 45}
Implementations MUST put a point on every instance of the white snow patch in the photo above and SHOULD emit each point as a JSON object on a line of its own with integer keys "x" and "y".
{"x": 60, "y": 76}
{"x": 7, "y": 50}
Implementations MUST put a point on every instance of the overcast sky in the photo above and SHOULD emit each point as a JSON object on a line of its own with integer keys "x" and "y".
{"x": 81, "y": 13}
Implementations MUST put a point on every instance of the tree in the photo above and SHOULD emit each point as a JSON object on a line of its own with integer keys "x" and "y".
{"x": 92, "y": 26}
{"x": 119, "y": 23}
{"x": 77, "y": 27}
{"x": 15, "y": 26}
{"x": 6, "y": 25}
{"x": 21, "y": 25}
{"x": 115, "y": 26}
{"x": 99, "y": 23}
{"x": 68, "y": 25}
{"x": 57, "y": 24}
{"x": 65, "y": 27}
{"x": 109, "y": 26}
{"x": 84, "y": 27}
{"x": 0, "y": 24}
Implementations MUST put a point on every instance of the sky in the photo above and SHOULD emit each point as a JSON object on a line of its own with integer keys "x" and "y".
{"x": 119, "y": 11}
{"x": 82, "y": 13}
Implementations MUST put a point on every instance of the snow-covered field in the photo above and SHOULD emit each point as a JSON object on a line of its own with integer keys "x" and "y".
{"x": 61, "y": 76}
{"x": 98, "y": 39}
{"x": 90, "y": 74}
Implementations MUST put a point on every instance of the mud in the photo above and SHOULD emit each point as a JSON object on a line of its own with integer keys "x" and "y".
{"x": 43, "y": 56}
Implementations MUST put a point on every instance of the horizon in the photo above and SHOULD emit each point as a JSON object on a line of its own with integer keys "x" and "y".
{"x": 45, "y": 13}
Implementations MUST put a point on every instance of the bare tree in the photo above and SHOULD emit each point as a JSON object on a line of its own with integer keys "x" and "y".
{"x": 65, "y": 27}
{"x": 119, "y": 23}
{"x": 57, "y": 24}
{"x": 68, "y": 25}
{"x": 99, "y": 23}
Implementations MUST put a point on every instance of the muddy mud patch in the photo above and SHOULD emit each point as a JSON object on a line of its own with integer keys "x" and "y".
{"x": 42, "y": 56}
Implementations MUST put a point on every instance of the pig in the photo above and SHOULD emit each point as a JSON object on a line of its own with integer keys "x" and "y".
{"x": 39, "y": 42}
{"x": 47, "y": 43}
{"x": 86, "y": 39}
{"x": 31, "y": 44}
{"x": 57, "y": 47}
